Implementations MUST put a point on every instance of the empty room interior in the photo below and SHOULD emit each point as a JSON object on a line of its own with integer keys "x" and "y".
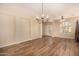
{"x": 39, "y": 29}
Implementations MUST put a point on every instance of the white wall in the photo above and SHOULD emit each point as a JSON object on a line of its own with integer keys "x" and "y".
{"x": 17, "y": 26}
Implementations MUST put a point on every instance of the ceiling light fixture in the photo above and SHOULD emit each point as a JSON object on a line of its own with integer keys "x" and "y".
{"x": 62, "y": 19}
{"x": 42, "y": 18}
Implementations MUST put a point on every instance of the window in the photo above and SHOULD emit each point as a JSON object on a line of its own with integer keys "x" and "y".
{"x": 65, "y": 27}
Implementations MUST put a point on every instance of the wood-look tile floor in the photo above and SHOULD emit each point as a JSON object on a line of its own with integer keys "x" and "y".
{"x": 46, "y": 46}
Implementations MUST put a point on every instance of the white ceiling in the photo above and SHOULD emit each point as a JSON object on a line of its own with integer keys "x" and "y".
{"x": 54, "y": 10}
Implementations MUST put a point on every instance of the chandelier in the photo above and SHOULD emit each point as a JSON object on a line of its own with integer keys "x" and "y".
{"x": 42, "y": 18}
{"x": 62, "y": 19}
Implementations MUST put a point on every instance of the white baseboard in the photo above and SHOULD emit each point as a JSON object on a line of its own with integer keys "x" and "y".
{"x": 12, "y": 44}
{"x": 16, "y": 43}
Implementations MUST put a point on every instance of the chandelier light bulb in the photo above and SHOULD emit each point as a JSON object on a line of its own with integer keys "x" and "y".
{"x": 42, "y": 17}
{"x": 37, "y": 18}
{"x": 47, "y": 17}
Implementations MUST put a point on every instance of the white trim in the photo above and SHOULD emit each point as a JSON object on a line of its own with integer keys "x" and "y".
{"x": 13, "y": 43}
